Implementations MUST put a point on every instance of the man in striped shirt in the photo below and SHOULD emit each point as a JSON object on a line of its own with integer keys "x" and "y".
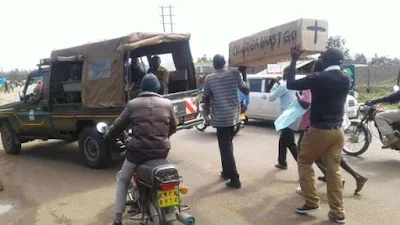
{"x": 220, "y": 94}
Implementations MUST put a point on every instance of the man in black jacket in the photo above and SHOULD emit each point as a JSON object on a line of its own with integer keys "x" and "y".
{"x": 385, "y": 120}
{"x": 325, "y": 136}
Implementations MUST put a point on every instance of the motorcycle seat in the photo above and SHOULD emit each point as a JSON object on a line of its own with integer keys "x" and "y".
{"x": 147, "y": 170}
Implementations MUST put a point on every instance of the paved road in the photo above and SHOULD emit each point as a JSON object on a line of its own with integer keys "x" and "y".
{"x": 48, "y": 185}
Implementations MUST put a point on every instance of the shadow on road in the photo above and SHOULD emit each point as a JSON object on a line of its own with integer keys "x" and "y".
{"x": 54, "y": 170}
{"x": 382, "y": 170}
{"x": 62, "y": 151}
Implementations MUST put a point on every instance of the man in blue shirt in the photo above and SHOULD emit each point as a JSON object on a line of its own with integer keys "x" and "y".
{"x": 286, "y": 140}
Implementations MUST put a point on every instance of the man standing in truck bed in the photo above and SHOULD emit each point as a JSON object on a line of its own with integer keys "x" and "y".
{"x": 161, "y": 73}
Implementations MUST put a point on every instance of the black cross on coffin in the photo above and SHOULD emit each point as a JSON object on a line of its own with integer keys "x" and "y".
{"x": 316, "y": 28}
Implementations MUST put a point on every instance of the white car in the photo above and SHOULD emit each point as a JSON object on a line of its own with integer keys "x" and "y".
{"x": 261, "y": 108}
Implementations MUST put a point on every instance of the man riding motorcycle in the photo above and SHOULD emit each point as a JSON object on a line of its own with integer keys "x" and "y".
{"x": 385, "y": 119}
{"x": 152, "y": 120}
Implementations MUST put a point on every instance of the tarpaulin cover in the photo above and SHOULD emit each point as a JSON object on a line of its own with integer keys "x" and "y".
{"x": 103, "y": 67}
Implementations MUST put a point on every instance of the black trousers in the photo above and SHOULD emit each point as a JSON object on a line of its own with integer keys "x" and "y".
{"x": 286, "y": 141}
{"x": 225, "y": 136}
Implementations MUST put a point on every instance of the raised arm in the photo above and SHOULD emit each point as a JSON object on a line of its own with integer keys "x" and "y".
{"x": 242, "y": 81}
{"x": 291, "y": 82}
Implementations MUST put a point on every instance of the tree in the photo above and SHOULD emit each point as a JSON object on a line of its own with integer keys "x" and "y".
{"x": 360, "y": 58}
{"x": 339, "y": 42}
{"x": 380, "y": 60}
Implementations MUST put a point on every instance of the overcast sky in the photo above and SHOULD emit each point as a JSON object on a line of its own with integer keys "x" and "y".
{"x": 30, "y": 29}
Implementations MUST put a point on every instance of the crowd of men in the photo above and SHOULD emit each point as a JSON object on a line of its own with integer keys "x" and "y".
{"x": 328, "y": 85}
{"x": 323, "y": 96}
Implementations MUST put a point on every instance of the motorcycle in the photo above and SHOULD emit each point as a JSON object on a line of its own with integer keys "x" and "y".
{"x": 206, "y": 121}
{"x": 361, "y": 128}
{"x": 155, "y": 190}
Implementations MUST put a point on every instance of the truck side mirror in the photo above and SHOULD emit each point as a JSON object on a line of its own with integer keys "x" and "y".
{"x": 21, "y": 96}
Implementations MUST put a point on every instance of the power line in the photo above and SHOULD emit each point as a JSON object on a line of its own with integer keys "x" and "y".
{"x": 163, "y": 16}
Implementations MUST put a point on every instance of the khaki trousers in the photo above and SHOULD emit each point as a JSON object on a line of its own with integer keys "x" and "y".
{"x": 329, "y": 145}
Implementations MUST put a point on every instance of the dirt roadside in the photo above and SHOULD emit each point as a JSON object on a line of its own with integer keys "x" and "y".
{"x": 12, "y": 197}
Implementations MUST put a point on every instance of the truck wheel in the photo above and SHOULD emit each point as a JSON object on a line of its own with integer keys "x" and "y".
{"x": 10, "y": 139}
{"x": 93, "y": 148}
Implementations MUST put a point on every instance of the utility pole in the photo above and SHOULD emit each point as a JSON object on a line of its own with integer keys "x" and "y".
{"x": 163, "y": 15}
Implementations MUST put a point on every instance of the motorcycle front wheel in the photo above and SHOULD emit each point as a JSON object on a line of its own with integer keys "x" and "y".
{"x": 357, "y": 139}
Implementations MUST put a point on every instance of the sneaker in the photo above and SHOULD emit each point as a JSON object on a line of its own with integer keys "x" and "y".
{"x": 234, "y": 184}
{"x": 282, "y": 167}
{"x": 298, "y": 191}
{"x": 117, "y": 223}
{"x": 337, "y": 220}
{"x": 360, "y": 184}
{"x": 307, "y": 209}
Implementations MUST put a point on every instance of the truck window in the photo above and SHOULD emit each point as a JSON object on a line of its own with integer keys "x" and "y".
{"x": 99, "y": 68}
{"x": 269, "y": 83}
{"x": 35, "y": 85}
{"x": 144, "y": 63}
{"x": 66, "y": 82}
{"x": 167, "y": 61}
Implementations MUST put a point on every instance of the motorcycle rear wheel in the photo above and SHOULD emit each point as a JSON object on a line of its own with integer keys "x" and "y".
{"x": 202, "y": 126}
{"x": 237, "y": 128}
{"x": 352, "y": 136}
{"x": 155, "y": 216}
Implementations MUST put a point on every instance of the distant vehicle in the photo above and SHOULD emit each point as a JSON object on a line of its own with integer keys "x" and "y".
{"x": 261, "y": 108}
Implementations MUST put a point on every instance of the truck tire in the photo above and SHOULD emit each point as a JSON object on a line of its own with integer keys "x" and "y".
{"x": 93, "y": 148}
{"x": 10, "y": 139}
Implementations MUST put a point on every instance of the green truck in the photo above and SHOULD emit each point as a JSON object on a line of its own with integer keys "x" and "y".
{"x": 78, "y": 87}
